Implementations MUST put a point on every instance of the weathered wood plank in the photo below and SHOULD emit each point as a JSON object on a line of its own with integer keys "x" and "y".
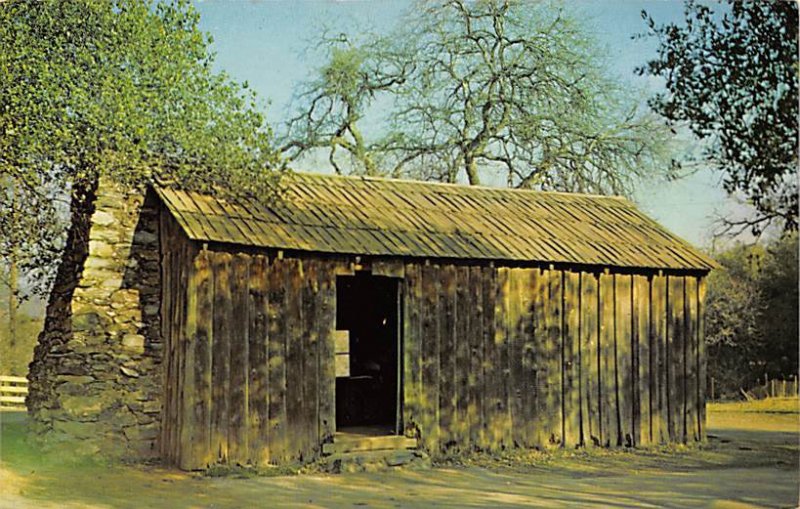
{"x": 498, "y": 418}
{"x": 682, "y": 350}
{"x": 170, "y": 416}
{"x": 475, "y": 335}
{"x": 390, "y": 268}
{"x": 505, "y": 387}
{"x": 221, "y": 351}
{"x": 326, "y": 324}
{"x": 590, "y": 358}
{"x": 643, "y": 410}
{"x": 669, "y": 360}
{"x": 202, "y": 453}
{"x": 636, "y": 399}
{"x": 239, "y": 351}
{"x": 447, "y": 357}
{"x": 658, "y": 331}
{"x": 553, "y": 358}
{"x": 168, "y": 413}
{"x": 675, "y": 358}
{"x": 258, "y": 361}
{"x": 279, "y": 452}
{"x": 295, "y": 395}
{"x": 528, "y": 373}
{"x": 183, "y": 400}
{"x": 540, "y": 288}
{"x": 515, "y": 326}
{"x": 412, "y": 342}
{"x": 167, "y": 410}
{"x": 609, "y": 427}
{"x": 701, "y": 358}
{"x": 185, "y": 349}
{"x": 681, "y": 357}
{"x": 175, "y": 292}
{"x": 690, "y": 384}
{"x": 309, "y": 335}
{"x": 489, "y": 364}
{"x": 463, "y": 318}
{"x": 624, "y": 373}
{"x": 571, "y": 388}
{"x": 429, "y": 399}
{"x": 176, "y": 321}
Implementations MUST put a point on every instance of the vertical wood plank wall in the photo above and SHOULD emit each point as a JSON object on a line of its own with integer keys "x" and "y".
{"x": 246, "y": 377}
{"x": 551, "y": 358}
{"x": 493, "y": 357}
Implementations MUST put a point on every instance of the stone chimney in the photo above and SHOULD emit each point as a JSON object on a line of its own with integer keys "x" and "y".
{"x": 96, "y": 375}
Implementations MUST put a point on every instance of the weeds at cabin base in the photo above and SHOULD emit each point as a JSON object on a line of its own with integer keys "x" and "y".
{"x": 250, "y": 472}
{"x": 714, "y": 453}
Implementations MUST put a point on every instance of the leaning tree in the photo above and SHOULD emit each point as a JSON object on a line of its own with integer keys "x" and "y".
{"x": 117, "y": 88}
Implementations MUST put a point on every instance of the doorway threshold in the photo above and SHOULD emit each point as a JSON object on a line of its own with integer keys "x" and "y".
{"x": 374, "y": 430}
{"x": 367, "y": 438}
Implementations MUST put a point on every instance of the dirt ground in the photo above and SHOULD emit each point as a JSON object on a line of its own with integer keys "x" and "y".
{"x": 751, "y": 460}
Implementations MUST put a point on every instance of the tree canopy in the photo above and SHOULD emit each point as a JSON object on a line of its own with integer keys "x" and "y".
{"x": 732, "y": 77}
{"x": 497, "y": 89}
{"x": 122, "y": 88}
{"x": 751, "y": 317}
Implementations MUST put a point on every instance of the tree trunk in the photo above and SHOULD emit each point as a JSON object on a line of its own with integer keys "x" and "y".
{"x": 57, "y": 324}
{"x": 13, "y": 271}
{"x": 77, "y": 246}
{"x": 472, "y": 171}
{"x": 12, "y": 299}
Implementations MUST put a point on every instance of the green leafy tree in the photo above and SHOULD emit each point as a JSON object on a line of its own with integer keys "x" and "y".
{"x": 751, "y": 314}
{"x": 778, "y": 283}
{"x": 15, "y": 357}
{"x": 734, "y": 308}
{"x": 470, "y": 90}
{"x": 732, "y": 77}
{"x": 118, "y": 88}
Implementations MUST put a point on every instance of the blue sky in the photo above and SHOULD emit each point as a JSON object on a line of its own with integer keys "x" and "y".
{"x": 265, "y": 42}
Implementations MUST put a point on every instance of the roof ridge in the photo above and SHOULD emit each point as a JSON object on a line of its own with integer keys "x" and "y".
{"x": 375, "y": 178}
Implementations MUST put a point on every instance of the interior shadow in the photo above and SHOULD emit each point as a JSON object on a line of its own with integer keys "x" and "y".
{"x": 367, "y": 307}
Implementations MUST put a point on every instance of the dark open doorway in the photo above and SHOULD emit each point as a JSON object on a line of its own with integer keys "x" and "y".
{"x": 368, "y": 382}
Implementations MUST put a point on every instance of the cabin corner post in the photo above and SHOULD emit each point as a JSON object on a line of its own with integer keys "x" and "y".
{"x": 188, "y": 340}
{"x": 96, "y": 374}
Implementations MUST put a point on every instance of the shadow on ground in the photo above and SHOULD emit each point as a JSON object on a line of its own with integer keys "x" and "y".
{"x": 740, "y": 467}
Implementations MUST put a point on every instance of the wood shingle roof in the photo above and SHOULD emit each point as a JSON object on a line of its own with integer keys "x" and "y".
{"x": 401, "y": 218}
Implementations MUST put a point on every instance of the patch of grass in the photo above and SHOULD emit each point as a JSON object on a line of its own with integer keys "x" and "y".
{"x": 19, "y": 449}
{"x": 768, "y": 405}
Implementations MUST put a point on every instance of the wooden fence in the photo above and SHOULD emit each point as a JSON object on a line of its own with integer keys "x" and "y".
{"x": 769, "y": 389}
{"x": 13, "y": 390}
{"x": 777, "y": 389}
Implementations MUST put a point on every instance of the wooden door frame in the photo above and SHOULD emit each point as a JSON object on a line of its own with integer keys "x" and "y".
{"x": 400, "y": 347}
{"x": 400, "y": 322}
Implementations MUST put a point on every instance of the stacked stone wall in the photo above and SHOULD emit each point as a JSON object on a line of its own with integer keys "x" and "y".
{"x": 96, "y": 374}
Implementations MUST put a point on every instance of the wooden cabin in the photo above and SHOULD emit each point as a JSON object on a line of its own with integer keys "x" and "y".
{"x": 455, "y": 317}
